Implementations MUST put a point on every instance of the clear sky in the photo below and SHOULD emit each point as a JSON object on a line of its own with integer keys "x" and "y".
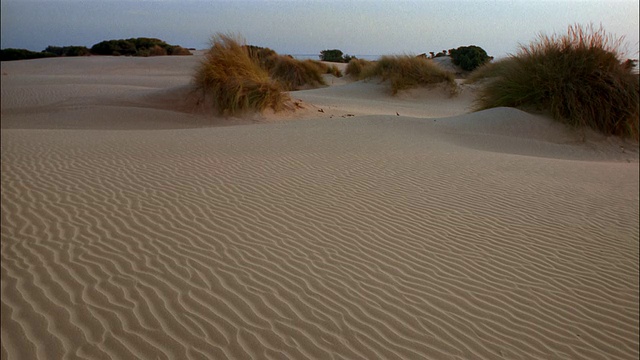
{"x": 357, "y": 27}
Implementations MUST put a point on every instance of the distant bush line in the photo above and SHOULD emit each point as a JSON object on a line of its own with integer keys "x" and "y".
{"x": 130, "y": 47}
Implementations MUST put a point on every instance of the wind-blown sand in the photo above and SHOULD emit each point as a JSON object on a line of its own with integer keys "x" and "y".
{"x": 134, "y": 225}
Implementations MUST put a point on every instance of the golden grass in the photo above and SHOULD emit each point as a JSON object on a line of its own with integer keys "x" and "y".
{"x": 489, "y": 70}
{"x": 406, "y": 72}
{"x": 294, "y": 74}
{"x": 579, "y": 77}
{"x": 234, "y": 81}
{"x": 355, "y": 67}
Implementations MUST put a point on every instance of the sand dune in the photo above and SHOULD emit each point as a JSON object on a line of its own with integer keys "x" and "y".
{"x": 133, "y": 230}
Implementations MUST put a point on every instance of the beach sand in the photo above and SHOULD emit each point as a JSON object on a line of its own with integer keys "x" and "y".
{"x": 362, "y": 226}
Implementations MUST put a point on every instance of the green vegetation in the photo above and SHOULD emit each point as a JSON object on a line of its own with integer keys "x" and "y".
{"x": 335, "y": 55}
{"x": 137, "y": 47}
{"x": 68, "y": 50}
{"x": 11, "y": 54}
{"x": 405, "y": 72}
{"x": 130, "y": 47}
{"x": 468, "y": 57}
{"x": 579, "y": 77}
{"x": 234, "y": 80}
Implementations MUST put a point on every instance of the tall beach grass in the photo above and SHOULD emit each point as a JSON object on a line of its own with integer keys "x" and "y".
{"x": 579, "y": 77}
{"x": 234, "y": 81}
{"x": 406, "y": 72}
{"x": 295, "y": 74}
{"x": 355, "y": 67}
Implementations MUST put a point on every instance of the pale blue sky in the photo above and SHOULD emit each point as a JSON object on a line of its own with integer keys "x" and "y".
{"x": 364, "y": 27}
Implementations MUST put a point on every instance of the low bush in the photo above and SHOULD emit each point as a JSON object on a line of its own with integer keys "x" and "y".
{"x": 10, "y": 54}
{"x": 137, "y": 47}
{"x": 468, "y": 57}
{"x": 579, "y": 77}
{"x": 335, "y": 55}
{"x": 68, "y": 50}
{"x": 405, "y": 72}
{"x": 178, "y": 51}
{"x": 234, "y": 80}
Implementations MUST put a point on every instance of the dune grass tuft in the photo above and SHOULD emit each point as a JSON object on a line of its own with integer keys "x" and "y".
{"x": 355, "y": 67}
{"x": 579, "y": 77}
{"x": 406, "y": 72}
{"x": 294, "y": 74}
{"x": 291, "y": 73}
{"x": 489, "y": 70}
{"x": 234, "y": 80}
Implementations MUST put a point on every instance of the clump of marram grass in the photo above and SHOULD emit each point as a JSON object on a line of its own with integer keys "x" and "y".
{"x": 406, "y": 72}
{"x": 355, "y": 67}
{"x": 579, "y": 77}
{"x": 294, "y": 74}
{"x": 489, "y": 70}
{"x": 327, "y": 69}
{"x": 234, "y": 81}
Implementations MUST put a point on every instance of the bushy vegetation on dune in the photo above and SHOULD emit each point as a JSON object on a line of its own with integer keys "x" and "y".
{"x": 10, "y": 54}
{"x": 469, "y": 57}
{"x": 335, "y": 55}
{"x": 137, "y": 47}
{"x": 405, "y": 72}
{"x": 68, "y": 50}
{"x": 235, "y": 81}
{"x": 579, "y": 77}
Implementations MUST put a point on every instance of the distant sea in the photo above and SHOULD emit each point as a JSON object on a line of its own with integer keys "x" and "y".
{"x": 317, "y": 56}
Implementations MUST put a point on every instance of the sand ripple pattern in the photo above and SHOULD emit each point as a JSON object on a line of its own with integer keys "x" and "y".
{"x": 271, "y": 242}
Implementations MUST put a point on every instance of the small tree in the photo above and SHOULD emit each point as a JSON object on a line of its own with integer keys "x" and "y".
{"x": 469, "y": 57}
{"x": 334, "y": 55}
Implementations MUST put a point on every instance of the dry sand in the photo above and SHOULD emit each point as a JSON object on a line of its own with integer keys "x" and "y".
{"x": 135, "y": 226}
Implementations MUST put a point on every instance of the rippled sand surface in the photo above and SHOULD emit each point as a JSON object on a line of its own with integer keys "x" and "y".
{"x": 132, "y": 228}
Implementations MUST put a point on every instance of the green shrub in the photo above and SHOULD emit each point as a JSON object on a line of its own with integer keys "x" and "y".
{"x": 468, "y": 57}
{"x": 137, "y": 47}
{"x": 178, "y": 51}
{"x": 579, "y": 77}
{"x": 234, "y": 81}
{"x": 157, "y": 50}
{"x": 11, "y": 54}
{"x": 405, "y": 72}
{"x": 68, "y": 50}
{"x": 335, "y": 55}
